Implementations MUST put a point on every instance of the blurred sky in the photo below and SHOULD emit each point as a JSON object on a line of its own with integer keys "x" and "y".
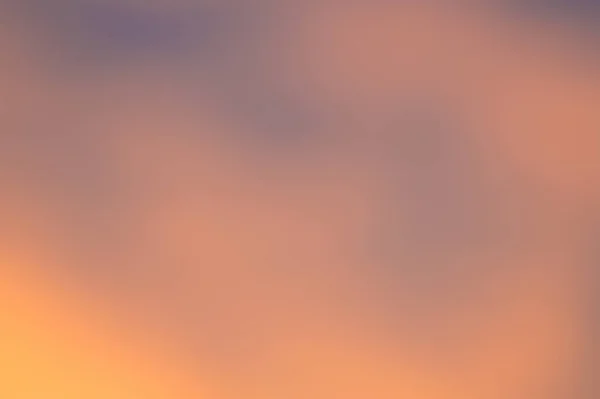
{"x": 299, "y": 199}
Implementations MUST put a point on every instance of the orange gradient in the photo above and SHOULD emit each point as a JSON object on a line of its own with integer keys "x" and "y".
{"x": 268, "y": 216}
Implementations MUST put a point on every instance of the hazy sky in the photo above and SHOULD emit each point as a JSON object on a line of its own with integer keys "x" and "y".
{"x": 300, "y": 199}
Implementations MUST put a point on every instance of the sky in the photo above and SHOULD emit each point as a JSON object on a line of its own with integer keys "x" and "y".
{"x": 300, "y": 199}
